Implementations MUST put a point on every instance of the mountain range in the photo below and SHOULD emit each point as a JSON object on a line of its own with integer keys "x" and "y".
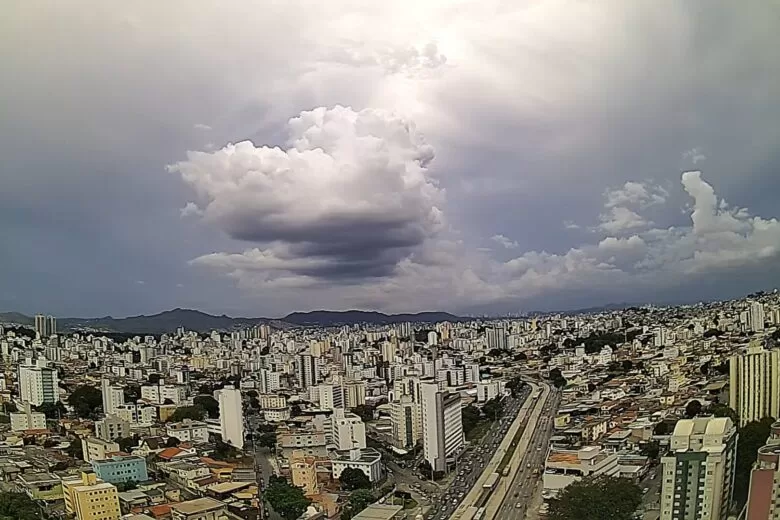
{"x": 169, "y": 321}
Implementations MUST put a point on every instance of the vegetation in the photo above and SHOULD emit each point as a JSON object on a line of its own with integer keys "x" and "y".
{"x": 352, "y": 479}
{"x": 286, "y": 499}
{"x": 87, "y": 401}
{"x": 751, "y": 437}
{"x": 267, "y": 440}
{"x": 365, "y": 412}
{"x": 693, "y": 409}
{"x": 605, "y": 498}
{"x": 172, "y": 442}
{"x": 557, "y": 379}
{"x": 208, "y": 404}
{"x": 662, "y": 428}
{"x": 721, "y": 410}
{"x": 651, "y": 449}
{"x": 515, "y": 385}
{"x": 195, "y": 413}
{"x": 75, "y": 450}
{"x": 126, "y": 486}
{"x": 18, "y": 506}
{"x": 54, "y": 411}
{"x": 224, "y": 451}
{"x": 126, "y": 444}
{"x": 493, "y": 408}
{"x": 596, "y": 341}
{"x": 358, "y": 501}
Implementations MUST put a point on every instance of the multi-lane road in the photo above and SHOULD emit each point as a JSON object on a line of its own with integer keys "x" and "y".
{"x": 519, "y": 493}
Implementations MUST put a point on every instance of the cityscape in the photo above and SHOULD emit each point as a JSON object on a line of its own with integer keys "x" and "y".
{"x": 408, "y": 260}
{"x": 646, "y": 412}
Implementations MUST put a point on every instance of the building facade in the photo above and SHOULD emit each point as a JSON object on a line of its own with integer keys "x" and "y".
{"x": 442, "y": 426}
{"x": 121, "y": 469}
{"x": 231, "y": 416}
{"x": 754, "y": 384}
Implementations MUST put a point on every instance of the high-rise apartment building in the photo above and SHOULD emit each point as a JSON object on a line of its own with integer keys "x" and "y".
{"x": 698, "y": 471}
{"x": 406, "y": 421}
{"x": 355, "y": 393}
{"x": 90, "y": 499}
{"x": 113, "y": 396}
{"x": 268, "y": 381}
{"x": 348, "y": 430}
{"x": 756, "y": 317}
{"x": 308, "y": 370}
{"x": 332, "y": 397}
{"x": 231, "y": 416}
{"x": 442, "y": 426}
{"x": 38, "y": 384}
{"x": 754, "y": 383}
{"x": 496, "y": 338}
{"x": 764, "y": 496}
{"x": 45, "y": 326}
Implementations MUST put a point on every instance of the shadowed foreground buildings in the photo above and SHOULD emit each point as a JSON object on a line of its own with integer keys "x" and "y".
{"x": 764, "y": 497}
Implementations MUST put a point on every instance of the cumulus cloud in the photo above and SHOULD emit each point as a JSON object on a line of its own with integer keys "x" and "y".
{"x": 570, "y": 224}
{"x": 505, "y": 242}
{"x": 406, "y": 59}
{"x": 620, "y": 219}
{"x": 350, "y": 196}
{"x": 638, "y": 194}
{"x": 201, "y": 126}
{"x": 190, "y": 209}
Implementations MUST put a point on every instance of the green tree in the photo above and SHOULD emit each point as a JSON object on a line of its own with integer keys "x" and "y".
{"x": 693, "y": 409}
{"x": 286, "y": 499}
{"x": 358, "y": 501}
{"x": 172, "y": 442}
{"x": 752, "y": 436}
{"x": 515, "y": 385}
{"x": 605, "y": 498}
{"x": 267, "y": 440}
{"x": 627, "y": 365}
{"x": 352, "y": 479}
{"x": 470, "y": 418}
{"x": 54, "y": 411}
{"x": 195, "y": 413}
{"x": 75, "y": 450}
{"x": 662, "y": 428}
{"x": 18, "y": 506}
{"x": 126, "y": 444}
{"x": 208, "y": 404}
{"x": 365, "y": 412}
{"x": 224, "y": 451}
{"x": 87, "y": 401}
{"x": 557, "y": 378}
{"x": 651, "y": 449}
{"x": 492, "y": 408}
{"x": 721, "y": 410}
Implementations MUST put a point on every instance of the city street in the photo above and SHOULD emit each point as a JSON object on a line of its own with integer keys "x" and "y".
{"x": 472, "y": 463}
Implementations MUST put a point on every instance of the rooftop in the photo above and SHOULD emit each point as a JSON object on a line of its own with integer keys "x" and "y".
{"x": 378, "y": 512}
{"x": 199, "y": 505}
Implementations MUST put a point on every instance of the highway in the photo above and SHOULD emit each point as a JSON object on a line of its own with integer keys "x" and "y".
{"x": 477, "y": 462}
{"x": 520, "y": 492}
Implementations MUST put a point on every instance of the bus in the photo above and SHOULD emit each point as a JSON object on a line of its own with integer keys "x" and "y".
{"x": 480, "y": 514}
{"x": 505, "y": 473}
{"x": 490, "y": 483}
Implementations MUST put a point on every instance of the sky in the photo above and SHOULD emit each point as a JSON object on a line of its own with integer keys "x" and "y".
{"x": 258, "y": 158}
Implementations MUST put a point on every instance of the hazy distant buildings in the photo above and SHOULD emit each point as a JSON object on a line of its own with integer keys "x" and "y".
{"x": 698, "y": 472}
{"x": 754, "y": 383}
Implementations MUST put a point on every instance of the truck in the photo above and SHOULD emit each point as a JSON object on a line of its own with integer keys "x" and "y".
{"x": 490, "y": 483}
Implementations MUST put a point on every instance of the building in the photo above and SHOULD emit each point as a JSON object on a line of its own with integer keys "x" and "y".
{"x": 442, "y": 426}
{"x": 406, "y": 422}
{"x": 764, "y": 496}
{"x": 268, "y": 381}
{"x": 754, "y": 383}
{"x": 756, "y": 317}
{"x": 308, "y": 370}
{"x": 331, "y": 397}
{"x": 111, "y": 428}
{"x": 355, "y": 393}
{"x": 698, "y": 471}
{"x": 89, "y": 499}
{"x": 303, "y": 470}
{"x": 188, "y": 431}
{"x": 113, "y": 396}
{"x": 496, "y": 338}
{"x": 121, "y": 468}
{"x": 381, "y": 512}
{"x": 231, "y": 416}
{"x": 367, "y": 460}
{"x": 26, "y": 419}
{"x": 199, "y": 509}
{"x": 97, "y": 449}
{"x": 41, "y": 486}
{"x": 137, "y": 413}
{"x": 45, "y": 326}
{"x": 161, "y": 393}
{"x": 564, "y": 467}
{"x": 38, "y": 384}
{"x": 348, "y": 430}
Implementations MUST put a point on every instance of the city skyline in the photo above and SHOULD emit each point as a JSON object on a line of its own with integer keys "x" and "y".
{"x": 411, "y": 157}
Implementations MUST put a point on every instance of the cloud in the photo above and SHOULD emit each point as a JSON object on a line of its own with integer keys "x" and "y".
{"x": 570, "y": 224}
{"x": 190, "y": 209}
{"x": 694, "y": 155}
{"x": 140, "y": 282}
{"x": 637, "y": 194}
{"x": 620, "y": 220}
{"x": 408, "y": 60}
{"x": 201, "y": 126}
{"x": 505, "y": 242}
{"x": 350, "y": 196}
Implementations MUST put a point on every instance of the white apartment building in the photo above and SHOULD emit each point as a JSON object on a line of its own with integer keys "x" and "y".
{"x": 137, "y": 413}
{"x": 348, "y": 430}
{"x": 188, "y": 431}
{"x": 698, "y": 472}
{"x": 112, "y": 427}
{"x": 271, "y": 401}
{"x": 406, "y": 421}
{"x": 97, "y": 449}
{"x": 26, "y": 419}
{"x": 268, "y": 381}
{"x": 331, "y": 397}
{"x": 355, "y": 393}
{"x": 367, "y": 460}
{"x": 38, "y": 384}
{"x": 160, "y": 393}
{"x": 442, "y": 426}
{"x": 113, "y": 396}
{"x": 231, "y": 416}
{"x": 754, "y": 383}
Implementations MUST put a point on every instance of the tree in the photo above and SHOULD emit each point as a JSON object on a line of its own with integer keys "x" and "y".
{"x": 154, "y": 379}
{"x": 365, "y": 412}
{"x": 286, "y": 499}
{"x": 126, "y": 486}
{"x": 651, "y": 449}
{"x": 87, "y": 401}
{"x": 557, "y": 378}
{"x": 605, "y": 498}
{"x": 252, "y": 393}
{"x": 693, "y": 409}
{"x": 208, "y": 404}
{"x": 521, "y": 356}
{"x": 470, "y": 418}
{"x": 721, "y": 410}
{"x": 172, "y": 442}
{"x": 752, "y": 436}
{"x": 627, "y": 365}
{"x": 515, "y": 385}
{"x": 267, "y": 440}
{"x": 54, "y": 411}
{"x": 662, "y": 428}
{"x": 295, "y": 410}
{"x": 194, "y": 413}
{"x": 132, "y": 393}
{"x": 126, "y": 444}
{"x": 75, "y": 450}
{"x": 224, "y": 451}
{"x": 492, "y": 408}
{"x": 9, "y": 407}
{"x": 358, "y": 501}
{"x": 352, "y": 479}
{"x": 18, "y": 506}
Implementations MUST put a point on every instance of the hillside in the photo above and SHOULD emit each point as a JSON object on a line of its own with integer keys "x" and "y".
{"x": 333, "y": 318}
